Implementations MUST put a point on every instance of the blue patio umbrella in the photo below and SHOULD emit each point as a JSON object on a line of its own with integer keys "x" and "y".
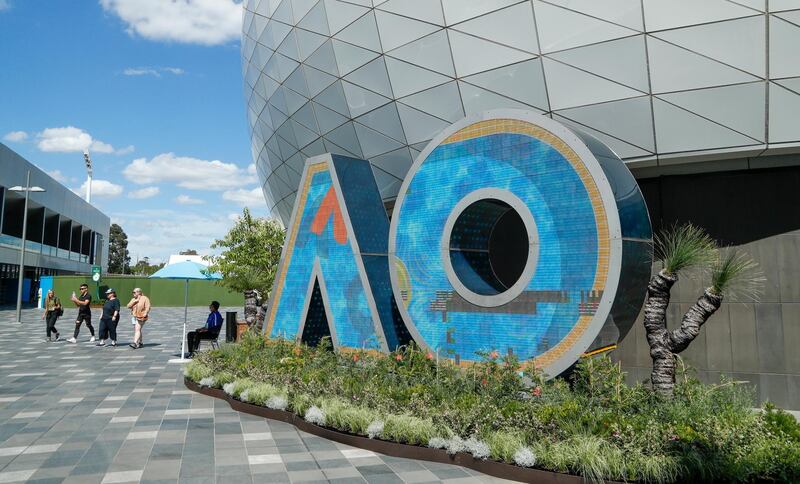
{"x": 185, "y": 270}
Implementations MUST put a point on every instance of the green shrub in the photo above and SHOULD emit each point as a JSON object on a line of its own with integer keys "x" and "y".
{"x": 593, "y": 425}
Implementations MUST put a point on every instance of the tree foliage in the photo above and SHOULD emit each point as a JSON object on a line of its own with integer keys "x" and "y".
{"x": 250, "y": 254}
{"x": 144, "y": 268}
{"x": 119, "y": 259}
{"x": 188, "y": 252}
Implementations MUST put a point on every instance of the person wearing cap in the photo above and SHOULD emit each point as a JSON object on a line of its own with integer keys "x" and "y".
{"x": 109, "y": 319}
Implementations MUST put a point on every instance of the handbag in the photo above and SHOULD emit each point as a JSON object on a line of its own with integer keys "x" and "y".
{"x": 59, "y": 312}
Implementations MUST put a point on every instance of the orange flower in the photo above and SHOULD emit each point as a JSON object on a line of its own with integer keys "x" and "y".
{"x": 484, "y": 382}
{"x": 355, "y": 357}
{"x": 537, "y": 391}
{"x": 398, "y": 357}
{"x": 296, "y": 351}
{"x": 494, "y": 354}
{"x": 429, "y": 356}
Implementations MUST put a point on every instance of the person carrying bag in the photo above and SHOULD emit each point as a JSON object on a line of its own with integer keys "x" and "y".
{"x": 52, "y": 311}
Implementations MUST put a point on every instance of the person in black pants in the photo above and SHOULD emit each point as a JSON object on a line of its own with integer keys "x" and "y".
{"x": 109, "y": 319}
{"x": 52, "y": 307}
{"x": 209, "y": 331}
{"x": 84, "y": 303}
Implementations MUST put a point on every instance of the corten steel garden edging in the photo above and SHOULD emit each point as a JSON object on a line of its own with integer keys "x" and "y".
{"x": 394, "y": 449}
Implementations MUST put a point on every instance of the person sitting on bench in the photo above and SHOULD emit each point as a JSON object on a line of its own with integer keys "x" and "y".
{"x": 209, "y": 331}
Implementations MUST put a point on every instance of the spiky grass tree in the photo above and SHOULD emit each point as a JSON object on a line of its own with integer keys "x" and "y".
{"x": 680, "y": 249}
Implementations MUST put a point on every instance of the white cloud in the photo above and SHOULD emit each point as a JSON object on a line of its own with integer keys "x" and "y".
{"x": 206, "y": 22}
{"x": 125, "y": 151}
{"x": 70, "y": 139}
{"x": 147, "y": 192}
{"x": 58, "y": 176}
{"x": 101, "y": 188}
{"x": 244, "y": 197}
{"x": 157, "y": 233}
{"x": 187, "y": 200}
{"x": 14, "y": 136}
{"x": 152, "y": 71}
{"x": 187, "y": 172}
{"x": 251, "y": 168}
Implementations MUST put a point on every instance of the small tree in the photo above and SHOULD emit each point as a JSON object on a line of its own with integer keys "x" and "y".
{"x": 249, "y": 259}
{"x": 119, "y": 260}
{"x": 680, "y": 249}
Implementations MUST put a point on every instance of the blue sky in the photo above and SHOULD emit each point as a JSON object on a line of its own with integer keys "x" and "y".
{"x": 153, "y": 88}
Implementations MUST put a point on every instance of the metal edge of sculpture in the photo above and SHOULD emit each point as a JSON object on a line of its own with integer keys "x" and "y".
{"x": 561, "y": 209}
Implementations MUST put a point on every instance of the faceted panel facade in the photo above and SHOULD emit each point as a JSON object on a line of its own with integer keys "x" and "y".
{"x": 377, "y": 79}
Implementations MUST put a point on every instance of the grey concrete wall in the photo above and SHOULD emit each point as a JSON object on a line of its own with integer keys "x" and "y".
{"x": 759, "y": 211}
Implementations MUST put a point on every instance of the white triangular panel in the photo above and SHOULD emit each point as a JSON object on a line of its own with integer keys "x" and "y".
{"x": 372, "y": 76}
{"x": 630, "y": 120}
{"x": 431, "y": 52}
{"x": 627, "y": 13}
{"x": 316, "y": 20}
{"x": 407, "y": 78}
{"x": 472, "y": 55}
{"x": 386, "y": 120}
{"x": 621, "y": 60}
{"x": 374, "y": 143}
{"x": 661, "y": 14}
{"x": 679, "y": 130}
{"x": 477, "y": 100}
{"x": 561, "y": 29}
{"x": 740, "y": 107}
{"x": 523, "y": 81}
{"x": 784, "y": 54}
{"x": 324, "y": 59}
{"x": 621, "y": 148}
{"x": 791, "y": 84}
{"x": 360, "y": 100}
{"x": 396, "y": 30}
{"x": 349, "y": 57}
{"x": 342, "y": 14}
{"x": 442, "y": 101}
{"x": 419, "y": 126}
{"x": 425, "y": 10}
{"x": 740, "y": 43}
{"x": 363, "y": 33}
{"x": 456, "y": 11}
{"x": 783, "y": 108}
{"x": 673, "y": 68}
{"x": 569, "y": 87}
{"x": 395, "y": 163}
{"x": 512, "y": 26}
{"x": 308, "y": 42}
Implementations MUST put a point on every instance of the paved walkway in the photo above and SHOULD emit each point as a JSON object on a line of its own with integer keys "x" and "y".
{"x": 82, "y": 414}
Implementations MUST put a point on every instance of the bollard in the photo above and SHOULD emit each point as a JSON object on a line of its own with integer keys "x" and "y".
{"x": 230, "y": 326}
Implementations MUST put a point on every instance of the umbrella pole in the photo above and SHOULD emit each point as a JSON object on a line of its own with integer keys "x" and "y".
{"x": 185, "y": 316}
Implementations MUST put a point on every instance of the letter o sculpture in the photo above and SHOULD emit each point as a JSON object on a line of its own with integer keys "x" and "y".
{"x": 515, "y": 234}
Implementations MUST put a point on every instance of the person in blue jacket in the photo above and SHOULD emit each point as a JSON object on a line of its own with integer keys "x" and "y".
{"x": 209, "y": 331}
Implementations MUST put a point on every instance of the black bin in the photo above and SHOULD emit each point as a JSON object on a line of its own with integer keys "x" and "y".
{"x": 230, "y": 326}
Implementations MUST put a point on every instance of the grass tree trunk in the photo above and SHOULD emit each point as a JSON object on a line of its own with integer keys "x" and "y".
{"x": 250, "y": 306}
{"x": 665, "y": 344}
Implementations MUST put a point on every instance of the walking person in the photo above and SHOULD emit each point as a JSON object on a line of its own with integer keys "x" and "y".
{"x": 209, "y": 331}
{"x": 84, "y": 303}
{"x": 52, "y": 310}
{"x": 109, "y": 319}
{"x": 140, "y": 309}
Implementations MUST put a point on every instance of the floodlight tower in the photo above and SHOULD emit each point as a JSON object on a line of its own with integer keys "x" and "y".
{"x": 88, "y": 162}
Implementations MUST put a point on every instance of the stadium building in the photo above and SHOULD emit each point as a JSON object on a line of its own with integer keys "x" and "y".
{"x": 65, "y": 234}
{"x": 699, "y": 99}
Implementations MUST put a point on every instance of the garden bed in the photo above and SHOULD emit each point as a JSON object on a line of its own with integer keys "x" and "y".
{"x": 493, "y": 468}
{"x": 505, "y": 420}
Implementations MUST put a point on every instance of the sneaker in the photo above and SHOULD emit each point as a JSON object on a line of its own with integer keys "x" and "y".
{"x": 47, "y": 340}
{"x": 92, "y": 339}
{"x": 58, "y": 337}
{"x": 133, "y": 345}
{"x": 113, "y": 343}
{"x": 140, "y": 345}
{"x": 72, "y": 340}
{"x": 101, "y": 343}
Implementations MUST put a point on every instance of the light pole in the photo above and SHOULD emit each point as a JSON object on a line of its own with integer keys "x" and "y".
{"x": 88, "y": 162}
{"x": 27, "y": 189}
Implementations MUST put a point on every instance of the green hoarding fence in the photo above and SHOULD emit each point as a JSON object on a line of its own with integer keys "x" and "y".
{"x": 162, "y": 292}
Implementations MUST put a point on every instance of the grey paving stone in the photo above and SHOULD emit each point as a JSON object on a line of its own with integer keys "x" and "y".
{"x": 91, "y": 400}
